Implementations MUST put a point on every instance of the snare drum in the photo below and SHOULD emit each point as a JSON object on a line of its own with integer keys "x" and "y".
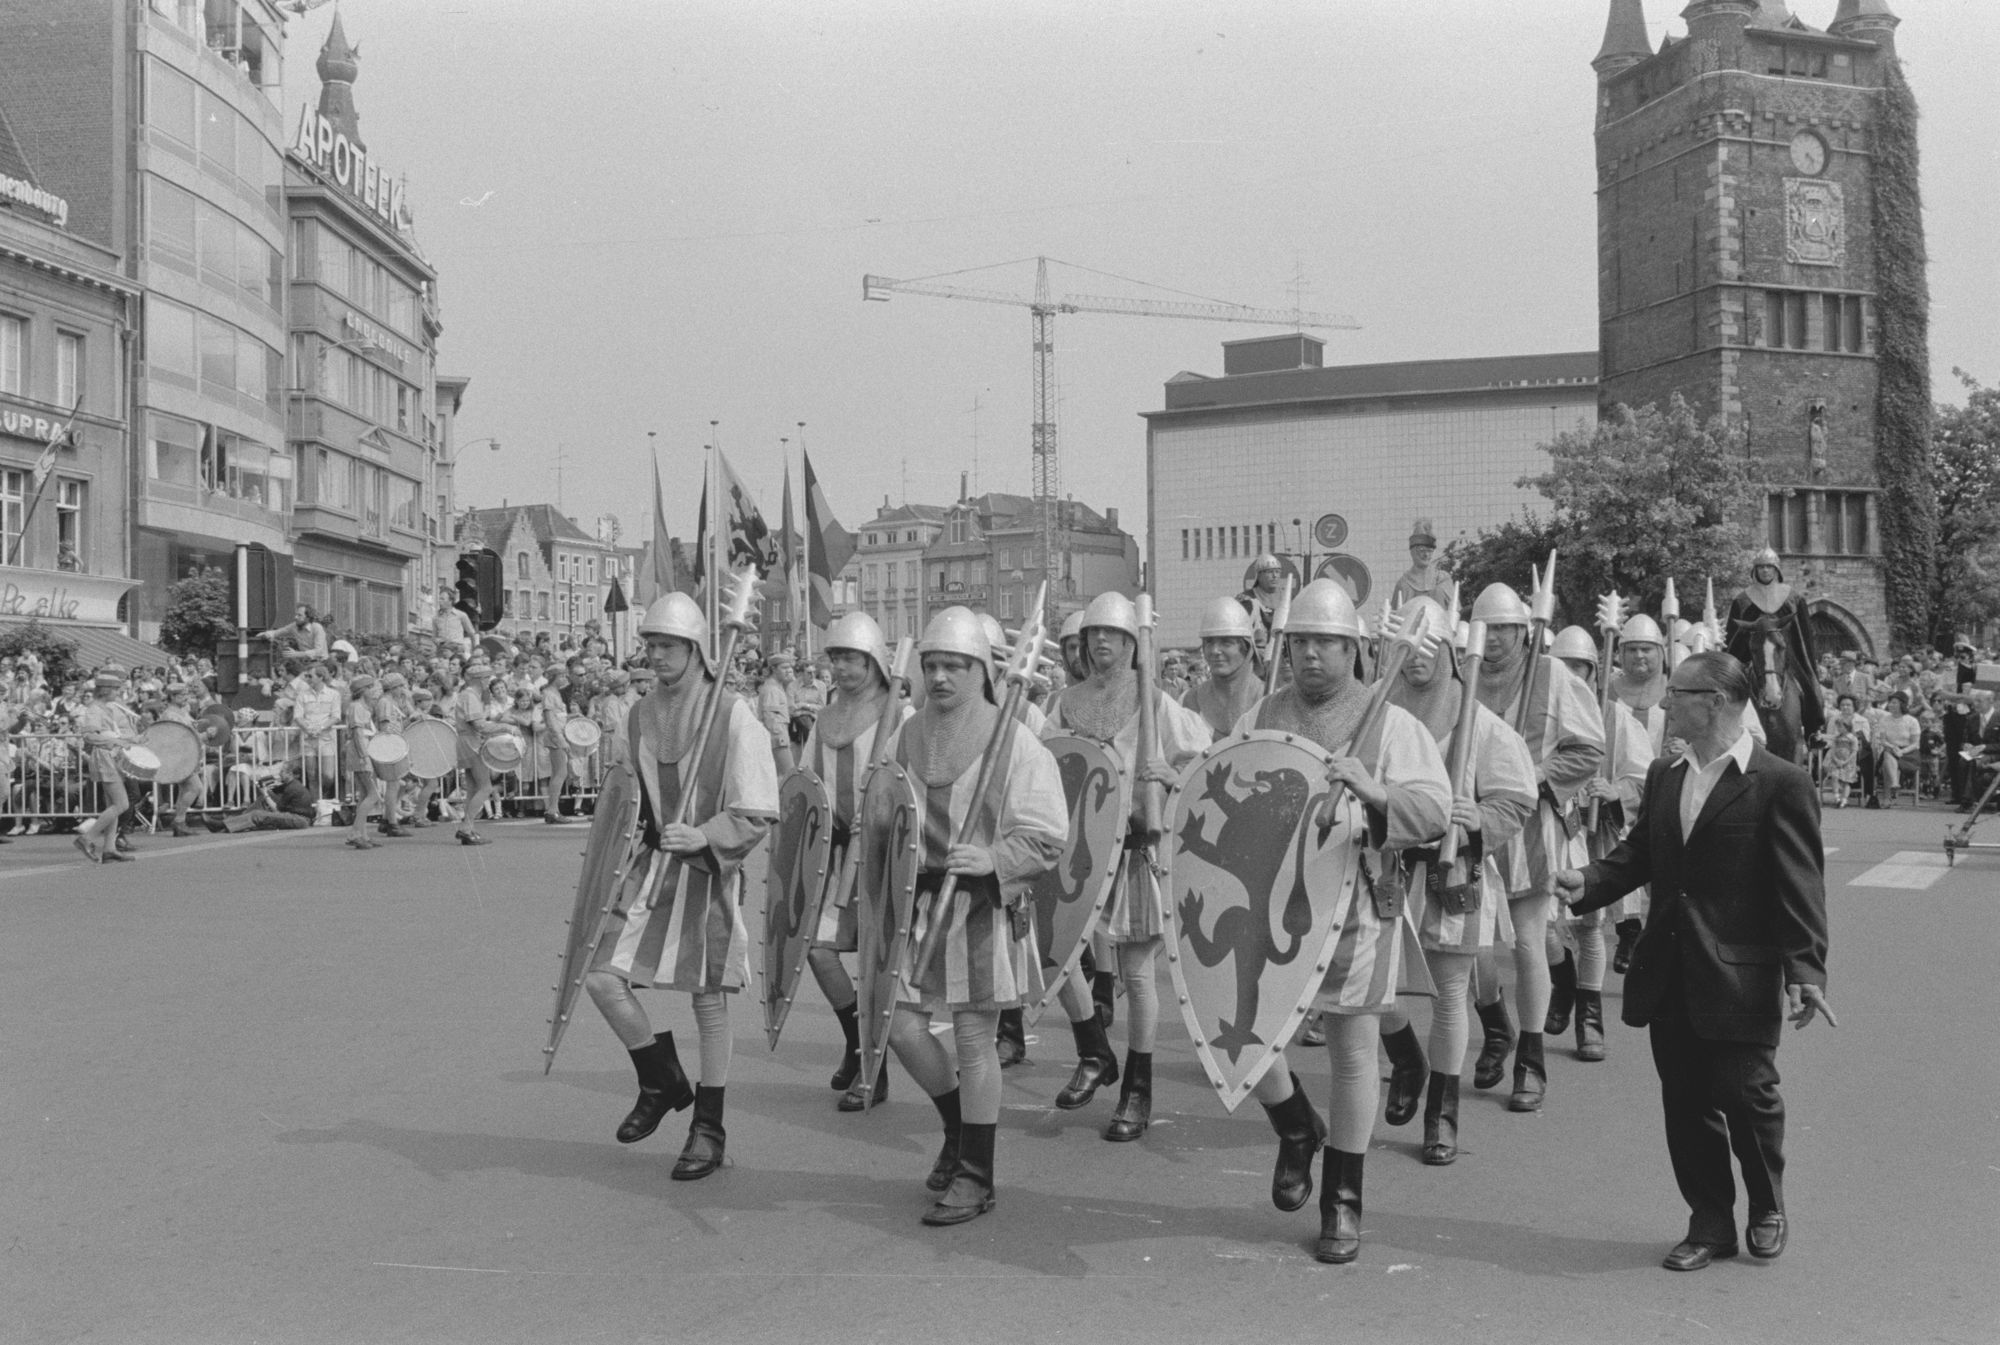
{"x": 177, "y": 746}
{"x": 502, "y": 753}
{"x": 433, "y": 748}
{"x": 389, "y": 755}
{"x": 581, "y": 736}
{"x": 139, "y": 762}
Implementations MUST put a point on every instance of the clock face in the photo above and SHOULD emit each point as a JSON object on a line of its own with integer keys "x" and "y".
{"x": 1808, "y": 153}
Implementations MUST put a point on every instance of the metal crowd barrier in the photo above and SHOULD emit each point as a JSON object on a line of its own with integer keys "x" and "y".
{"x": 48, "y": 778}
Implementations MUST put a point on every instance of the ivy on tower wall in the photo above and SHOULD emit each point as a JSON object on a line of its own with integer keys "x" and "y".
{"x": 1903, "y": 404}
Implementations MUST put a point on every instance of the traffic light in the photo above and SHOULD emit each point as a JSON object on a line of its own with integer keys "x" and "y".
{"x": 261, "y": 585}
{"x": 478, "y": 588}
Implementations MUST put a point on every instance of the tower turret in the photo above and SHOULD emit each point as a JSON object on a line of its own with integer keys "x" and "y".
{"x": 1720, "y": 21}
{"x": 1625, "y": 40}
{"x": 338, "y": 65}
{"x": 1866, "y": 21}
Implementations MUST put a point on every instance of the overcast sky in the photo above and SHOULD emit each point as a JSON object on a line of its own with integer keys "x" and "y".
{"x": 652, "y": 214}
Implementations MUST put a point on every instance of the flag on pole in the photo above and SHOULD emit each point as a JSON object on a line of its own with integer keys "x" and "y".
{"x": 788, "y": 560}
{"x": 660, "y": 551}
{"x": 745, "y": 537}
{"x": 701, "y": 541}
{"x": 829, "y": 547}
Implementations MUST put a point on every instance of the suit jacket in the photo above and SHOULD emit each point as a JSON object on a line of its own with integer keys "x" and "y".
{"x": 1739, "y": 908}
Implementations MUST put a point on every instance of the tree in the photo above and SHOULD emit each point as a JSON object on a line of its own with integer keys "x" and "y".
{"x": 198, "y": 616}
{"x": 56, "y": 651}
{"x": 1641, "y": 497}
{"x": 1965, "y": 469}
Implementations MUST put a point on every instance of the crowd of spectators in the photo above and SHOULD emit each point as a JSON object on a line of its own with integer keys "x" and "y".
{"x": 1915, "y": 724}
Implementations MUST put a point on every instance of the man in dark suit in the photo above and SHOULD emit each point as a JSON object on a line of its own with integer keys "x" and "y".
{"x": 1728, "y": 838}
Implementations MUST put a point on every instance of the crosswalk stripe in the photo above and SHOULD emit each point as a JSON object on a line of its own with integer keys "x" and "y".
{"x": 1908, "y": 870}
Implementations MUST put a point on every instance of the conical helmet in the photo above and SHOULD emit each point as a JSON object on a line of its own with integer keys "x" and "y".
{"x": 680, "y": 616}
{"x": 1641, "y": 629}
{"x": 1113, "y": 611}
{"x": 1225, "y": 618}
{"x": 1766, "y": 557}
{"x": 1072, "y": 626}
{"x": 1425, "y": 612}
{"x": 1499, "y": 605}
{"x": 956, "y": 630}
{"x": 996, "y": 640}
{"x": 1323, "y": 608}
{"x": 858, "y": 631}
{"x": 1574, "y": 642}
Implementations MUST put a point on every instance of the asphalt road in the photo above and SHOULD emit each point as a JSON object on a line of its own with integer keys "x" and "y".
{"x": 267, "y": 1089}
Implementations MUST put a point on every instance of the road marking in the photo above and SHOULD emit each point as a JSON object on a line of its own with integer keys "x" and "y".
{"x": 149, "y": 857}
{"x": 1909, "y": 870}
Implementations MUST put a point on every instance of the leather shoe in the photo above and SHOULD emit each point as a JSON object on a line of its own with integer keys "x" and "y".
{"x": 1696, "y": 1255}
{"x": 1766, "y": 1236}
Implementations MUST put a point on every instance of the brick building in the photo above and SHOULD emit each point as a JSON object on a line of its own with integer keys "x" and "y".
{"x": 554, "y": 575}
{"x": 987, "y": 557}
{"x": 1737, "y": 264}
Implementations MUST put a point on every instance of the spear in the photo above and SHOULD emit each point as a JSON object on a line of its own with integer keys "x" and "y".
{"x": 1281, "y": 617}
{"x": 1541, "y": 612}
{"x": 1461, "y": 763}
{"x": 1421, "y": 634}
{"x": 1610, "y": 617}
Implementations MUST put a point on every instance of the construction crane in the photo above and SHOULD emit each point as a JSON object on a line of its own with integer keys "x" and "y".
{"x": 1042, "y": 308}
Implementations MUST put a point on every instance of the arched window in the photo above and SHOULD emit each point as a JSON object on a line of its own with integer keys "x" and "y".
{"x": 521, "y": 565}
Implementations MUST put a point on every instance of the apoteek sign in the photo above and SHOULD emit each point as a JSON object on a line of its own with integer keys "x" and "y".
{"x": 323, "y": 146}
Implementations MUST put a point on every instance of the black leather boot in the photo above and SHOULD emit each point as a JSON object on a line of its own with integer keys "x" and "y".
{"x": 1589, "y": 1024}
{"x": 1012, "y": 1038}
{"x": 663, "y": 1087}
{"x": 1339, "y": 1208}
{"x": 702, "y": 1153}
{"x": 1301, "y": 1132}
{"x": 1562, "y": 994}
{"x": 860, "y": 1098}
{"x": 1095, "y": 1065}
{"x": 947, "y": 1159}
{"x": 1531, "y": 1074}
{"x": 850, "y": 1062}
{"x": 1407, "y": 1068}
{"x": 1492, "y": 1062}
{"x": 970, "y": 1193}
{"x": 1628, "y": 939}
{"x": 1135, "y": 1099}
{"x": 1441, "y": 1121}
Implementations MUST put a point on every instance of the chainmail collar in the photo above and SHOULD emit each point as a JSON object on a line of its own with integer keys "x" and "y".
{"x": 1637, "y": 695}
{"x": 1501, "y": 692}
{"x": 846, "y": 718}
{"x": 1101, "y": 705}
{"x": 950, "y": 743}
{"x": 1225, "y": 700}
{"x": 1436, "y": 705}
{"x": 1330, "y": 722}
{"x": 674, "y": 714}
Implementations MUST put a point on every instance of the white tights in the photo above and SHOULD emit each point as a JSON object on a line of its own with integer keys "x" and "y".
{"x": 613, "y": 996}
{"x": 834, "y": 982}
{"x": 1531, "y": 962}
{"x": 977, "y": 1075}
{"x": 1450, "y": 1018}
{"x": 1142, "y": 1000}
{"x": 1357, "y": 1084}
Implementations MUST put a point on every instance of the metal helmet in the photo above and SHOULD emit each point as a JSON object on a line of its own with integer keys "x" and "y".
{"x": 1696, "y": 639}
{"x": 1680, "y": 629}
{"x": 1267, "y": 561}
{"x": 1424, "y": 611}
{"x": 1226, "y": 618}
{"x": 1499, "y": 605}
{"x": 1574, "y": 642}
{"x": 996, "y": 640}
{"x": 1766, "y": 557}
{"x": 858, "y": 631}
{"x": 957, "y": 630}
{"x": 1641, "y": 629}
{"x": 1072, "y": 626}
{"x": 1323, "y": 608}
{"x": 680, "y": 616}
{"x": 1112, "y": 611}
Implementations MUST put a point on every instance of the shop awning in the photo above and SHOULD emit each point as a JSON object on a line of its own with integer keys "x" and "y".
{"x": 97, "y": 645}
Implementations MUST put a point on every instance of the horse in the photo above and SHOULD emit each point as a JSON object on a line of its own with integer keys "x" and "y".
{"x": 1778, "y": 702}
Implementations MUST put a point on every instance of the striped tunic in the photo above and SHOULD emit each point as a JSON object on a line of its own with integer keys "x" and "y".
{"x": 1565, "y": 735}
{"x": 694, "y": 938}
{"x": 1367, "y": 963}
{"x": 842, "y": 771}
{"x": 1503, "y": 784}
{"x": 984, "y": 966}
{"x": 1136, "y": 910}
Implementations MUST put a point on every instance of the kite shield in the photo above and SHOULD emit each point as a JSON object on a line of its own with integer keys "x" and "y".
{"x": 608, "y": 854}
{"x": 888, "y": 834}
{"x": 1069, "y": 898}
{"x": 794, "y": 884}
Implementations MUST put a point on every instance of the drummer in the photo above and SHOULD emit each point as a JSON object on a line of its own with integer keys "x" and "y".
{"x": 363, "y": 693}
{"x": 179, "y": 709}
{"x": 393, "y": 715}
{"x": 551, "y": 747}
{"x": 107, "y": 725}
{"x": 473, "y": 717}
{"x": 423, "y": 705}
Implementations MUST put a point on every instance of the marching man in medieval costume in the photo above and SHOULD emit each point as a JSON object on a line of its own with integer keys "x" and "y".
{"x": 838, "y": 751}
{"x": 1261, "y": 599}
{"x": 1576, "y": 943}
{"x": 986, "y": 961}
{"x": 1228, "y": 646}
{"x": 678, "y": 923}
{"x": 1425, "y": 578}
{"x": 1565, "y": 735}
{"x": 1104, "y": 708}
{"x": 1464, "y": 906}
{"x": 1768, "y": 606}
{"x": 1400, "y": 784}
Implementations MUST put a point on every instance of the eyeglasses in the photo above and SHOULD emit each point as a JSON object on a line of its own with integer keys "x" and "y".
{"x": 1673, "y": 692}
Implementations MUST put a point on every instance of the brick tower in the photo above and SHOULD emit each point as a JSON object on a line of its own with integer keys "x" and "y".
{"x": 1737, "y": 213}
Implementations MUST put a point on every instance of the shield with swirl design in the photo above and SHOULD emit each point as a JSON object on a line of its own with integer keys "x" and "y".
{"x": 794, "y": 884}
{"x": 1258, "y": 885}
{"x": 607, "y": 855}
{"x": 889, "y": 832}
{"x": 1069, "y": 898}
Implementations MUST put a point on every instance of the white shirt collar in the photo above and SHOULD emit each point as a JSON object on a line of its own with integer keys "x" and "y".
{"x": 1739, "y": 752}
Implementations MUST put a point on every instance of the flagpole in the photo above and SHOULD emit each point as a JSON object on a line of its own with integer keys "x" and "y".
{"x": 714, "y": 488}
{"x": 805, "y": 557}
